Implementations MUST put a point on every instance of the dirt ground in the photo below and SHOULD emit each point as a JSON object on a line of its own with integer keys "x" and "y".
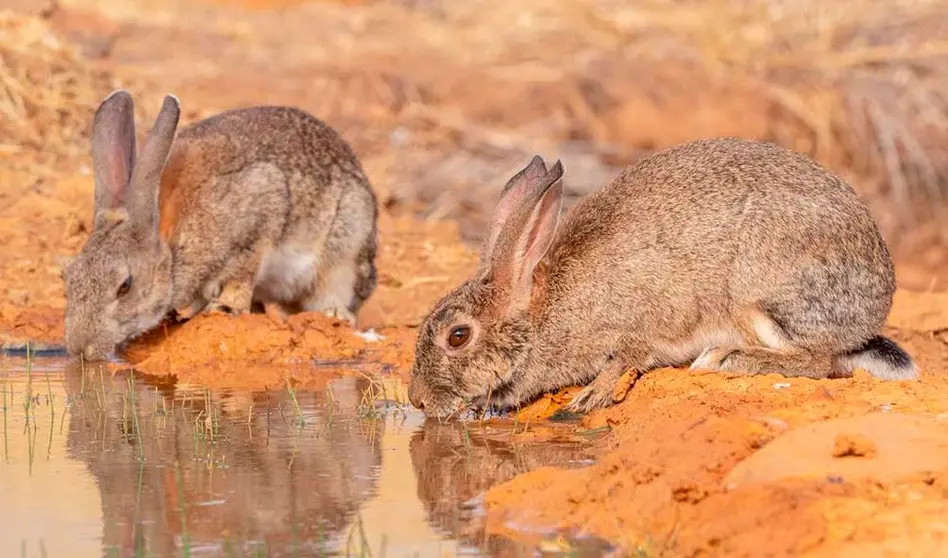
{"x": 442, "y": 103}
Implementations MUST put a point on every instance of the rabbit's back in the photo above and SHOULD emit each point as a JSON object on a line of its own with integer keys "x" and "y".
{"x": 703, "y": 199}
{"x": 684, "y": 239}
{"x": 286, "y": 136}
{"x": 304, "y": 154}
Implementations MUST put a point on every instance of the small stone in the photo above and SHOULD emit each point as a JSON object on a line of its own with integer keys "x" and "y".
{"x": 370, "y": 335}
{"x": 853, "y": 445}
{"x": 18, "y": 297}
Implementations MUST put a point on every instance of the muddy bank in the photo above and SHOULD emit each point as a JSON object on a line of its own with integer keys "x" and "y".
{"x": 700, "y": 465}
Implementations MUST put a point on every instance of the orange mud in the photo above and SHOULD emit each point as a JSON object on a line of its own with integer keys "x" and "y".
{"x": 698, "y": 464}
{"x": 695, "y": 464}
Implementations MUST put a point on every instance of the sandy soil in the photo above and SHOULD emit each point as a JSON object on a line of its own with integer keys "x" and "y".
{"x": 694, "y": 465}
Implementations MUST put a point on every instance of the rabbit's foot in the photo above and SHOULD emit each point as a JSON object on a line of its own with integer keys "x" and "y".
{"x": 610, "y": 386}
{"x": 235, "y": 298}
{"x": 341, "y": 314}
{"x": 220, "y": 308}
{"x": 746, "y": 361}
{"x": 719, "y": 359}
{"x": 186, "y": 313}
{"x": 334, "y": 293}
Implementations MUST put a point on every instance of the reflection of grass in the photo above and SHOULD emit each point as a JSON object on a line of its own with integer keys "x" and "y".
{"x": 140, "y": 542}
{"x": 42, "y": 548}
{"x": 3, "y": 387}
{"x": 205, "y": 427}
{"x": 109, "y": 407}
{"x": 359, "y": 547}
{"x": 29, "y": 384}
{"x": 296, "y": 404}
{"x": 52, "y": 415}
{"x": 331, "y": 402}
{"x": 185, "y": 539}
{"x": 138, "y": 430}
{"x": 29, "y": 407}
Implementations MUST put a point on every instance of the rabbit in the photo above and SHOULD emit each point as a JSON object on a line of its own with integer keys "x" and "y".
{"x": 252, "y": 206}
{"x": 731, "y": 254}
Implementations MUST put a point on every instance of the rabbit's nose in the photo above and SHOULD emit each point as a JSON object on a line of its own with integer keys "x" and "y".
{"x": 416, "y": 399}
{"x": 416, "y": 394}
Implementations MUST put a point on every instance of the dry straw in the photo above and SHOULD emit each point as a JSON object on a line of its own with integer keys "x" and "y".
{"x": 47, "y": 92}
{"x": 866, "y": 80}
{"x": 860, "y": 84}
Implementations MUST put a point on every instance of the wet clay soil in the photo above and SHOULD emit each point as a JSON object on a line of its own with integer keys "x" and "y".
{"x": 693, "y": 465}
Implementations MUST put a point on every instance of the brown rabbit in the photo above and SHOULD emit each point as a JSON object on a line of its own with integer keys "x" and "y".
{"x": 251, "y": 206}
{"x": 735, "y": 255}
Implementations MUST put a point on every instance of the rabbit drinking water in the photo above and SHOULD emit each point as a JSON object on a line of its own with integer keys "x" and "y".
{"x": 730, "y": 254}
{"x": 251, "y": 206}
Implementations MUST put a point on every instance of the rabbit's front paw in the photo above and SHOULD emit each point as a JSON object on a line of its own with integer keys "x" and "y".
{"x": 610, "y": 386}
{"x": 592, "y": 397}
{"x": 186, "y": 313}
{"x": 234, "y": 298}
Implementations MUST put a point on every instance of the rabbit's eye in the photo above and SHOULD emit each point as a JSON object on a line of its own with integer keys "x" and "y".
{"x": 125, "y": 286}
{"x": 459, "y": 337}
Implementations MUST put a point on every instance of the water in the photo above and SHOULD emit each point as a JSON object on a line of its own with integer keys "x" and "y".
{"x": 100, "y": 464}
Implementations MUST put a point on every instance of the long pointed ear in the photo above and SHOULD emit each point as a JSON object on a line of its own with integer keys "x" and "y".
{"x": 526, "y": 237}
{"x": 517, "y": 190}
{"x": 113, "y": 149}
{"x": 142, "y": 198}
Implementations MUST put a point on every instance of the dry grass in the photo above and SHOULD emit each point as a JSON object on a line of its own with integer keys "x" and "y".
{"x": 456, "y": 95}
{"x": 47, "y": 92}
{"x": 860, "y": 85}
{"x": 866, "y": 81}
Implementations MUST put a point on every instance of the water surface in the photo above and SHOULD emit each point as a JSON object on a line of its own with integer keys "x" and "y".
{"x": 100, "y": 464}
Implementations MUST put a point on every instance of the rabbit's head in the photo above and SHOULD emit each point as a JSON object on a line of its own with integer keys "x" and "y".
{"x": 119, "y": 285}
{"x": 474, "y": 340}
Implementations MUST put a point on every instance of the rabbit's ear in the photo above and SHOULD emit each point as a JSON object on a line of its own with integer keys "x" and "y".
{"x": 526, "y": 237}
{"x": 142, "y": 199}
{"x": 518, "y": 189}
{"x": 113, "y": 149}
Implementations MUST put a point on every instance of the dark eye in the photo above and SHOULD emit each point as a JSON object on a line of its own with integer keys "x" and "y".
{"x": 124, "y": 287}
{"x": 459, "y": 337}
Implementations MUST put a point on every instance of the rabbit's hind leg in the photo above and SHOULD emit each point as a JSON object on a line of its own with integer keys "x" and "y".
{"x": 332, "y": 292}
{"x": 766, "y": 349}
{"x": 341, "y": 286}
{"x": 347, "y": 274}
{"x": 743, "y": 360}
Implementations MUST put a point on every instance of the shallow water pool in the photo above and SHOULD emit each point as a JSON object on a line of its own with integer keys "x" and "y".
{"x": 119, "y": 464}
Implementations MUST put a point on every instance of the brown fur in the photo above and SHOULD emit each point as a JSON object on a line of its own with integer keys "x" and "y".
{"x": 251, "y": 206}
{"x": 741, "y": 254}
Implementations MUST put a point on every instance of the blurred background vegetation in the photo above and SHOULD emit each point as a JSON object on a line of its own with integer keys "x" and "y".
{"x": 443, "y": 100}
